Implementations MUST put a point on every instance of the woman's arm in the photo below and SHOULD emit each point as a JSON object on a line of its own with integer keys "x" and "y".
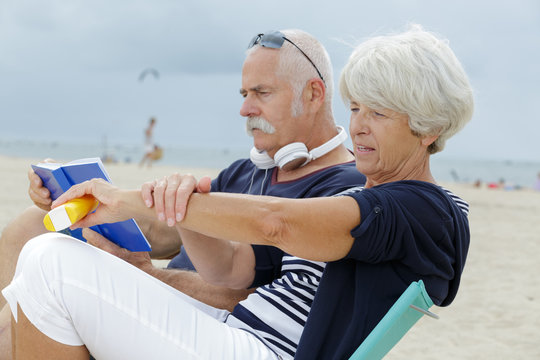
{"x": 315, "y": 229}
{"x": 114, "y": 204}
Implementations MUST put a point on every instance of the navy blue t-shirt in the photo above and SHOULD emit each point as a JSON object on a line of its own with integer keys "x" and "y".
{"x": 409, "y": 230}
{"x": 243, "y": 177}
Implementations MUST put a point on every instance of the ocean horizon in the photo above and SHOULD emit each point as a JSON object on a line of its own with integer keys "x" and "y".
{"x": 513, "y": 173}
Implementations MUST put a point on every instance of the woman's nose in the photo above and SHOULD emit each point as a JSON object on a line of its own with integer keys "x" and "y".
{"x": 359, "y": 123}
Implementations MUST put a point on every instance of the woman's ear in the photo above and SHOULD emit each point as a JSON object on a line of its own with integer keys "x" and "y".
{"x": 429, "y": 139}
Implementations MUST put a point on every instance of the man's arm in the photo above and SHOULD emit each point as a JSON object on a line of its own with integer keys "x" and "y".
{"x": 220, "y": 262}
{"x": 190, "y": 283}
{"x": 165, "y": 241}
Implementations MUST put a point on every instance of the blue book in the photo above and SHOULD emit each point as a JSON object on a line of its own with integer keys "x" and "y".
{"x": 60, "y": 177}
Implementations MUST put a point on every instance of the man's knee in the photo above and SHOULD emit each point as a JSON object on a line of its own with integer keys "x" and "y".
{"x": 24, "y": 227}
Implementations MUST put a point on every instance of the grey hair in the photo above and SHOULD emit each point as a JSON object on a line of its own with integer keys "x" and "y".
{"x": 415, "y": 73}
{"x": 294, "y": 67}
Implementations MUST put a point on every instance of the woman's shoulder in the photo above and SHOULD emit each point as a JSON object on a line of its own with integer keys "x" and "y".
{"x": 409, "y": 191}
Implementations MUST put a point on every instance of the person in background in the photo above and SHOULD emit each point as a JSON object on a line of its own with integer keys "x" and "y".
{"x": 408, "y": 94}
{"x": 149, "y": 146}
{"x": 537, "y": 183}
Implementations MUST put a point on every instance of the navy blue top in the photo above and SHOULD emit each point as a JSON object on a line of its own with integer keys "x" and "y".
{"x": 410, "y": 230}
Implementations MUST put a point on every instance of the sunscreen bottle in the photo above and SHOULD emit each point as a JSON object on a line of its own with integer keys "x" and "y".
{"x": 69, "y": 213}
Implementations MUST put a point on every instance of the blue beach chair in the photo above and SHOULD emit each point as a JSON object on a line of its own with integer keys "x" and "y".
{"x": 406, "y": 311}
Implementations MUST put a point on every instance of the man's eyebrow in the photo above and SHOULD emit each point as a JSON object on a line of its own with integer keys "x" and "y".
{"x": 257, "y": 88}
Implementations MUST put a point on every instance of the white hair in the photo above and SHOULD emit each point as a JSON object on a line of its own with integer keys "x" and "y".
{"x": 257, "y": 122}
{"x": 415, "y": 73}
{"x": 294, "y": 66}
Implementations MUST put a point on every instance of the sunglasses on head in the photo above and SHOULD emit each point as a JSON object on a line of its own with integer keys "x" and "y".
{"x": 275, "y": 40}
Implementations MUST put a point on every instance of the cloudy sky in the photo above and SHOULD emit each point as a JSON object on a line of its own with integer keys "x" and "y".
{"x": 69, "y": 68}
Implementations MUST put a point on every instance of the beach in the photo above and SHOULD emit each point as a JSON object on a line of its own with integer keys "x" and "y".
{"x": 496, "y": 314}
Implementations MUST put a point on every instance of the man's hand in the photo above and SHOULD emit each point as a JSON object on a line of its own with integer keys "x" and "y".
{"x": 39, "y": 194}
{"x": 109, "y": 209}
{"x": 170, "y": 195}
{"x": 138, "y": 259}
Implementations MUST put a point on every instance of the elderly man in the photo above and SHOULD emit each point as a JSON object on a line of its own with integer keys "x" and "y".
{"x": 298, "y": 152}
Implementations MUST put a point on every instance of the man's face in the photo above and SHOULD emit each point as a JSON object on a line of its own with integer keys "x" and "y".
{"x": 268, "y": 101}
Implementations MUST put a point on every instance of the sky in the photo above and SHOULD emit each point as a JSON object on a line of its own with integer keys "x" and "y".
{"x": 69, "y": 69}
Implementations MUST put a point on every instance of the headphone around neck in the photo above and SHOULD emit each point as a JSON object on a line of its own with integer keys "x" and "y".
{"x": 296, "y": 154}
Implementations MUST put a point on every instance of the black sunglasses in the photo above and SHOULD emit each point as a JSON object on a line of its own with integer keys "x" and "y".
{"x": 275, "y": 40}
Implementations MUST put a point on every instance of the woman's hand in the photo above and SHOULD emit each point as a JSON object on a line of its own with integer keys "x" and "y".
{"x": 170, "y": 195}
{"x": 110, "y": 208}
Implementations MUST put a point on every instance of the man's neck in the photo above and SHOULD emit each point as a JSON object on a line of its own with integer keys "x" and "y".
{"x": 337, "y": 156}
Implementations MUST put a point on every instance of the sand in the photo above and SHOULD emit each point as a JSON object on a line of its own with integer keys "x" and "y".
{"x": 496, "y": 314}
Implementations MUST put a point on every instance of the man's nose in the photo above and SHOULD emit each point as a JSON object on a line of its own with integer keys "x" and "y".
{"x": 249, "y": 108}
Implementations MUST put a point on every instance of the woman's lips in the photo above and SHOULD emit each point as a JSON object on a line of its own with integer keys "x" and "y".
{"x": 363, "y": 149}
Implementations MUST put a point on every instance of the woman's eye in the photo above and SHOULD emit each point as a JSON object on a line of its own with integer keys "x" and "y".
{"x": 378, "y": 114}
{"x": 354, "y": 109}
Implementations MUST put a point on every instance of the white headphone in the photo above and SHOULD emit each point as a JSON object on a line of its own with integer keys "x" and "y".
{"x": 296, "y": 154}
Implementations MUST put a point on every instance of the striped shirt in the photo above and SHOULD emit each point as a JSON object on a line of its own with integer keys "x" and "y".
{"x": 462, "y": 204}
{"x": 277, "y": 313}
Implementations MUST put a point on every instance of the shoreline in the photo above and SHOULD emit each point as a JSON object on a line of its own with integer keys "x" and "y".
{"x": 496, "y": 313}
{"x": 513, "y": 174}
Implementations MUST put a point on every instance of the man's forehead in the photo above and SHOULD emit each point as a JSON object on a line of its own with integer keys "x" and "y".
{"x": 260, "y": 70}
{"x": 261, "y": 58}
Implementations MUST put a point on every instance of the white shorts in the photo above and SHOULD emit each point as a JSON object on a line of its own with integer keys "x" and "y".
{"x": 77, "y": 294}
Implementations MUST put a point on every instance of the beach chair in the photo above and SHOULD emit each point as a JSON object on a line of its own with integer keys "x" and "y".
{"x": 406, "y": 311}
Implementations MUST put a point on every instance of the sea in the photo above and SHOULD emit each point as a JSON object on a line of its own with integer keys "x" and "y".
{"x": 511, "y": 174}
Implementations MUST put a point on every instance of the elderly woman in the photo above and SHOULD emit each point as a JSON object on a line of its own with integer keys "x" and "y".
{"x": 407, "y": 95}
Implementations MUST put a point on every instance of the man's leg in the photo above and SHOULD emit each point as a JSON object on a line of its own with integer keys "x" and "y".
{"x": 24, "y": 227}
{"x": 5, "y": 334}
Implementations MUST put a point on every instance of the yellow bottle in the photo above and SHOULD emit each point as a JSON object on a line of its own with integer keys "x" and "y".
{"x": 69, "y": 213}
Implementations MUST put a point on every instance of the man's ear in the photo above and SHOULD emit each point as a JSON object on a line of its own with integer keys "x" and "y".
{"x": 316, "y": 92}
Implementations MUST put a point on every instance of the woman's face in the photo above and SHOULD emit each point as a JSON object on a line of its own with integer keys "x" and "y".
{"x": 385, "y": 147}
